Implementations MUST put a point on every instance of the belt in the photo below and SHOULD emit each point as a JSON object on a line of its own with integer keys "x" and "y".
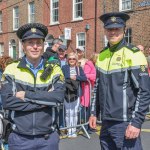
{"x": 46, "y": 136}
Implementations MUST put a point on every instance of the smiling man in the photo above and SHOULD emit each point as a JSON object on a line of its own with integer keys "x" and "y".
{"x": 122, "y": 88}
{"x": 29, "y": 98}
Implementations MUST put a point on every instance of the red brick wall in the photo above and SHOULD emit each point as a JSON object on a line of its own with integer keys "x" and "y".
{"x": 66, "y": 20}
{"x": 4, "y": 37}
{"x": 139, "y": 21}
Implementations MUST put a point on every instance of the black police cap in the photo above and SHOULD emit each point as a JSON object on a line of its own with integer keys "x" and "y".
{"x": 32, "y": 30}
{"x": 114, "y": 19}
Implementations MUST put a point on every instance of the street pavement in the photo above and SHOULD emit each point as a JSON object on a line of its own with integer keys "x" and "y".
{"x": 83, "y": 143}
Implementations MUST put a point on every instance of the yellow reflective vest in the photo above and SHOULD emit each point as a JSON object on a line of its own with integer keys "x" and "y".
{"x": 122, "y": 86}
{"x": 34, "y": 115}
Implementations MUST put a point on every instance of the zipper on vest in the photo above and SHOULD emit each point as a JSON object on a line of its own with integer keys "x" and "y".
{"x": 111, "y": 55}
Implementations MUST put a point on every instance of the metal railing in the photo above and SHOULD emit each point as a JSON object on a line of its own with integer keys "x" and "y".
{"x": 82, "y": 115}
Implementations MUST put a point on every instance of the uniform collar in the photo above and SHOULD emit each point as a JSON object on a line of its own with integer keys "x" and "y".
{"x": 31, "y": 66}
{"x": 23, "y": 62}
{"x": 117, "y": 46}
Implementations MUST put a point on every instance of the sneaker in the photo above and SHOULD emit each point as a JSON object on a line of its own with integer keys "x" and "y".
{"x": 72, "y": 135}
{"x": 69, "y": 135}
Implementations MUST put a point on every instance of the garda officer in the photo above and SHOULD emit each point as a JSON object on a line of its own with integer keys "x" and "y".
{"x": 122, "y": 88}
{"x": 29, "y": 98}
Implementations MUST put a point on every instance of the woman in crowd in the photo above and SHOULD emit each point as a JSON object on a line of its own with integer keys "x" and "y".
{"x": 74, "y": 75}
{"x": 81, "y": 56}
{"x": 4, "y": 61}
{"x": 90, "y": 72}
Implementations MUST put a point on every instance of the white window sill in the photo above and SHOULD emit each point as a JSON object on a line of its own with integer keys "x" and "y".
{"x": 126, "y": 10}
{"x": 15, "y": 29}
{"x": 77, "y": 19}
{"x": 54, "y": 23}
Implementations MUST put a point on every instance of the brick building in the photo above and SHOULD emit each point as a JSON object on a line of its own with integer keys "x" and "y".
{"x": 75, "y": 21}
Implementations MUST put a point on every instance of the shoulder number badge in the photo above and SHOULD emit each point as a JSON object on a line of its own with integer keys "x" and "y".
{"x": 142, "y": 68}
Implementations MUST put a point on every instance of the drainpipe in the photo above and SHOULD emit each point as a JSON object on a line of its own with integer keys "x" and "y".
{"x": 95, "y": 46}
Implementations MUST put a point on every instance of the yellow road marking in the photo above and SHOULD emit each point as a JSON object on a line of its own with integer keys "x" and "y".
{"x": 98, "y": 130}
{"x": 145, "y": 130}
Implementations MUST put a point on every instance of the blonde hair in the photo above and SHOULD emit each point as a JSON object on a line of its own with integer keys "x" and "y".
{"x": 94, "y": 57}
{"x": 73, "y": 54}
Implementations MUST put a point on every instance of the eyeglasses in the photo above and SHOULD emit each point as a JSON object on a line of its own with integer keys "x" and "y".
{"x": 72, "y": 59}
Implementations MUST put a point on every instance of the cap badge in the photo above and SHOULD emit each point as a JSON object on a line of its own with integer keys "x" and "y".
{"x": 113, "y": 19}
{"x": 33, "y": 29}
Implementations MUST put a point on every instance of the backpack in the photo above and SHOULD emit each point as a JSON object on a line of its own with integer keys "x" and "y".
{"x": 5, "y": 127}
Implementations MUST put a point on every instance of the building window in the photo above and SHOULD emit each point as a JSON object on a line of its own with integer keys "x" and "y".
{"x": 77, "y": 9}
{"x": 12, "y": 49}
{"x": 21, "y": 53}
{"x": 16, "y": 18}
{"x": 125, "y": 5}
{"x": 1, "y": 49}
{"x": 105, "y": 41}
{"x": 80, "y": 40}
{"x": 31, "y": 12}
{"x": 54, "y": 11}
{"x": 128, "y": 35}
{"x": 1, "y": 21}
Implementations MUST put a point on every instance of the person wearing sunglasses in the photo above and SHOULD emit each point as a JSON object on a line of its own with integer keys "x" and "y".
{"x": 74, "y": 75}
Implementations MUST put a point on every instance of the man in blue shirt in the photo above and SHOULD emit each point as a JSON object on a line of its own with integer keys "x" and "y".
{"x": 30, "y": 98}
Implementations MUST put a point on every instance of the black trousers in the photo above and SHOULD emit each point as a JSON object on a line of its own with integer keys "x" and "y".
{"x": 25, "y": 142}
{"x": 112, "y": 137}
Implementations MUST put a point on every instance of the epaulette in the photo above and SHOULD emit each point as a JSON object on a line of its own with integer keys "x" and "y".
{"x": 13, "y": 61}
{"x": 16, "y": 60}
{"x": 105, "y": 48}
{"x": 132, "y": 48}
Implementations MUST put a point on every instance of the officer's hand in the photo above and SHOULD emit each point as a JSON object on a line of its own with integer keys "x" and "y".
{"x": 20, "y": 94}
{"x": 132, "y": 132}
{"x": 92, "y": 122}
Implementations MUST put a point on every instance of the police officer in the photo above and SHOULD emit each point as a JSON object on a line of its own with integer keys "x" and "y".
{"x": 29, "y": 98}
{"x": 122, "y": 88}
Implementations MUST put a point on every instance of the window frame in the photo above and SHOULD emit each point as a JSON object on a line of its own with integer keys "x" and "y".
{"x": 121, "y": 5}
{"x": 52, "y": 13}
{"x": 1, "y": 21}
{"x": 30, "y": 13}
{"x": 15, "y": 17}
{"x": 128, "y": 35}
{"x": 105, "y": 41}
{"x": 74, "y": 11}
{"x": 1, "y": 49}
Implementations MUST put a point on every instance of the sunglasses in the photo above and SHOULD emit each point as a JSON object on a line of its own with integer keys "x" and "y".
{"x": 72, "y": 59}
